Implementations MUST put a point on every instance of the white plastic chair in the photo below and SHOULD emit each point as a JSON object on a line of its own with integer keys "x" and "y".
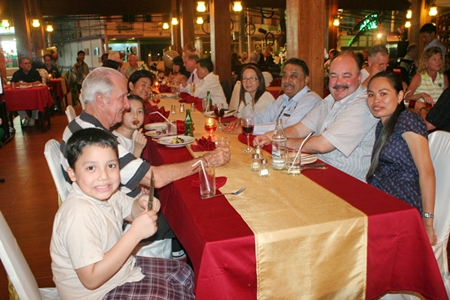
{"x": 439, "y": 143}
{"x": 17, "y": 268}
{"x": 234, "y": 102}
{"x": 268, "y": 78}
{"x": 70, "y": 113}
{"x": 52, "y": 155}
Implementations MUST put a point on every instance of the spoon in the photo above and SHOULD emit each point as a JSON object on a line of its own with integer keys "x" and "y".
{"x": 233, "y": 193}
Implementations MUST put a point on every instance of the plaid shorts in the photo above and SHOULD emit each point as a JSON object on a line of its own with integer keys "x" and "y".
{"x": 164, "y": 279}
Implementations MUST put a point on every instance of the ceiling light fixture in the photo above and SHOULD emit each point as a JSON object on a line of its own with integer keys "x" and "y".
{"x": 36, "y": 23}
{"x": 201, "y": 7}
{"x": 237, "y": 6}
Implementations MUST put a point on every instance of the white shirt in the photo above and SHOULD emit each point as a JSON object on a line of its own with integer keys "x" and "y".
{"x": 245, "y": 109}
{"x": 291, "y": 111}
{"x": 365, "y": 74}
{"x": 212, "y": 84}
{"x": 349, "y": 126}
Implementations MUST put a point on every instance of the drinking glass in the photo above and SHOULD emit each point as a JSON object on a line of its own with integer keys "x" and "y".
{"x": 219, "y": 111}
{"x": 247, "y": 124}
{"x": 207, "y": 181}
{"x": 210, "y": 126}
{"x": 293, "y": 162}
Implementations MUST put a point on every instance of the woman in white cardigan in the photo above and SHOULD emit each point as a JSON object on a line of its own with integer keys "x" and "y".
{"x": 253, "y": 96}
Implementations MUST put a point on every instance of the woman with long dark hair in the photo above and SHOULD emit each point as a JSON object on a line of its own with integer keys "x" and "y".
{"x": 253, "y": 96}
{"x": 401, "y": 163}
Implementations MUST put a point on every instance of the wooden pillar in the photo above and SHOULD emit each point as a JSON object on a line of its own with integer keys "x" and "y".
{"x": 37, "y": 33}
{"x": 332, "y": 30}
{"x": 187, "y": 18}
{"x": 305, "y": 19}
{"x": 419, "y": 17}
{"x": 221, "y": 38}
{"x": 21, "y": 26}
{"x": 175, "y": 29}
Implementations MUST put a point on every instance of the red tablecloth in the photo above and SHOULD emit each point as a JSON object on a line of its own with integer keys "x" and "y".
{"x": 28, "y": 99}
{"x": 59, "y": 87}
{"x": 222, "y": 248}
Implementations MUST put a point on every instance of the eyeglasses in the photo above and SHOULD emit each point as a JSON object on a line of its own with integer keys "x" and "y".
{"x": 249, "y": 79}
{"x": 27, "y": 63}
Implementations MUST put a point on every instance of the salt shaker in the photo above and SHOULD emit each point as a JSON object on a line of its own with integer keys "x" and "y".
{"x": 255, "y": 165}
{"x": 181, "y": 107}
{"x": 264, "y": 169}
{"x": 173, "y": 109}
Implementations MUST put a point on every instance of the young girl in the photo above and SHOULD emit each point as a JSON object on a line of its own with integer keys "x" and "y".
{"x": 401, "y": 163}
{"x": 129, "y": 133}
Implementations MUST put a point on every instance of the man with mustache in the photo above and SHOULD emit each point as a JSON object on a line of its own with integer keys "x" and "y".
{"x": 292, "y": 106}
{"x": 343, "y": 125}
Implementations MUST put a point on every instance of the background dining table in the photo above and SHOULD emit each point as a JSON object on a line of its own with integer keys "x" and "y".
{"x": 221, "y": 245}
{"x": 59, "y": 87}
{"x": 30, "y": 98}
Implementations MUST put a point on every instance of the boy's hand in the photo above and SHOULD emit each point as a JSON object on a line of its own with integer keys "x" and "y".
{"x": 144, "y": 225}
{"x": 143, "y": 202}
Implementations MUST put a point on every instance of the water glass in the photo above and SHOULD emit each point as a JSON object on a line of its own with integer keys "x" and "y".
{"x": 222, "y": 142}
{"x": 205, "y": 105}
{"x": 293, "y": 162}
{"x": 207, "y": 181}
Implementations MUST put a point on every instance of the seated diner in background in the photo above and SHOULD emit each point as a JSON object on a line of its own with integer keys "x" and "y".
{"x": 377, "y": 61}
{"x": 26, "y": 75}
{"x": 209, "y": 82}
{"x": 296, "y": 102}
{"x": 438, "y": 116}
{"x": 430, "y": 80}
{"x": 401, "y": 164}
{"x": 343, "y": 127}
{"x": 253, "y": 96}
{"x": 50, "y": 67}
{"x": 179, "y": 73}
{"x": 140, "y": 83}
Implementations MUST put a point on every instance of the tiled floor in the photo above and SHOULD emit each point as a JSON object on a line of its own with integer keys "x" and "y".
{"x": 28, "y": 198}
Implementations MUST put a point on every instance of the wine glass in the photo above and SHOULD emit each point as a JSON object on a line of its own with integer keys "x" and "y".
{"x": 219, "y": 111}
{"x": 210, "y": 126}
{"x": 248, "y": 124}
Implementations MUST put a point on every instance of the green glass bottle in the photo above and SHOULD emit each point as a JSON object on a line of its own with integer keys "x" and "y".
{"x": 188, "y": 124}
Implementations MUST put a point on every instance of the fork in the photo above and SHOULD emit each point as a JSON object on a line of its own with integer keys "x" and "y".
{"x": 232, "y": 193}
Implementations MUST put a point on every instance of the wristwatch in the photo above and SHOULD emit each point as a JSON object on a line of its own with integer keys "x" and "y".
{"x": 427, "y": 215}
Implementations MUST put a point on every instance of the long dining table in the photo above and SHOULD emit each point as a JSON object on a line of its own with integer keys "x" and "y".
{"x": 30, "y": 98}
{"x": 224, "y": 249}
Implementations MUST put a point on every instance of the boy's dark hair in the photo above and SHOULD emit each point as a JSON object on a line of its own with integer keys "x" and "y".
{"x": 207, "y": 64}
{"x": 89, "y": 137}
{"x": 109, "y": 63}
{"x": 428, "y": 28}
{"x": 79, "y": 52}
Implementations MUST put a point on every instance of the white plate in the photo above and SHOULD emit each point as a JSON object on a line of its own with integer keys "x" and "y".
{"x": 308, "y": 159}
{"x": 150, "y": 134}
{"x": 210, "y": 114}
{"x": 167, "y": 141}
{"x": 167, "y": 95}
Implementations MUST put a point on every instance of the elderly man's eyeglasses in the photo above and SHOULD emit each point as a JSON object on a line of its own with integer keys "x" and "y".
{"x": 249, "y": 79}
{"x": 26, "y": 63}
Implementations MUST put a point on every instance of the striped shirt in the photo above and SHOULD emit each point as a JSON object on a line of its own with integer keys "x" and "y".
{"x": 349, "y": 126}
{"x": 132, "y": 169}
{"x": 434, "y": 89}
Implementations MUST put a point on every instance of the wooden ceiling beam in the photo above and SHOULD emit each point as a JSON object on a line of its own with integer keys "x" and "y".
{"x": 103, "y": 7}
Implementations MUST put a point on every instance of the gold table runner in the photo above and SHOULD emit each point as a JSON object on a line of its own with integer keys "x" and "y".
{"x": 310, "y": 244}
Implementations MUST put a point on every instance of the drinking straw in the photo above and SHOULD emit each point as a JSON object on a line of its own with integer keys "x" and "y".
{"x": 204, "y": 173}
{"x": 157, "y": 112}
{"x": 300, "y": 150}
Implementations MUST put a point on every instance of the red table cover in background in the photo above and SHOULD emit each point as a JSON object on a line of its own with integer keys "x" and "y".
{"x": 57, "y": 86}
{"x": 222, "y": 248}
{"x": 28, "y": 98}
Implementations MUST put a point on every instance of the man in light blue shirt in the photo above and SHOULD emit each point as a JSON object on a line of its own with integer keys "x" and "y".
{"x": 292, "y": 106}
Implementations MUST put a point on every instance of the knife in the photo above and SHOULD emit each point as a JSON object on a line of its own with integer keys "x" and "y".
{"x": 151, "y": 191}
